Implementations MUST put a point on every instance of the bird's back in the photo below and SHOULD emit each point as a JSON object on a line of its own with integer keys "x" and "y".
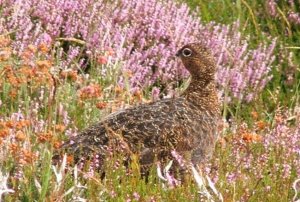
{"x": 153, "y": 129}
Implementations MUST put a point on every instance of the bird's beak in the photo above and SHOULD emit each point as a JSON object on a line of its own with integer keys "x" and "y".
{"x": 178, "y": 53}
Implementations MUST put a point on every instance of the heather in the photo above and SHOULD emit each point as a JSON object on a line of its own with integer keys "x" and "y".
{"x": 136, "y": 32}
{"x": 66, "y": 64}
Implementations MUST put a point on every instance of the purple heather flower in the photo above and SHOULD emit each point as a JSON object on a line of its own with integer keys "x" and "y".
{"x": 271, "y": 7}
{"x": 155, "y": 93}
{"x": 231, "y": 177}
{"x": 113, "y": 194}
{"x": 294, "y": 17}
{"x": 178, "y": 158}
{"x": 136, "y": 196}
{"x": 143, "y": 40}
{"x": 17, "y": 116}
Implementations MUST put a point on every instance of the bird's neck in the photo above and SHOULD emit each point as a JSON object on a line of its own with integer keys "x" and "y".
{"x": 203, "y": 94}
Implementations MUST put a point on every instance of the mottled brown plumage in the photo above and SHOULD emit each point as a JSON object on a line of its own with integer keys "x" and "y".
{"x": 187, "y": 124}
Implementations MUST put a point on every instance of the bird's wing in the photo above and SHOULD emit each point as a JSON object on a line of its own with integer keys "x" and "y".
{"x": 148, "y": 123}
{"x": 146, "y": 126}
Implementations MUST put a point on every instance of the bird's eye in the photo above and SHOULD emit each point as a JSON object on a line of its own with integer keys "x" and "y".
{"x": 187, "y": 52}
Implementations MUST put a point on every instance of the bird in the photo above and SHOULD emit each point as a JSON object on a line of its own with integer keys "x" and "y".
{"x": 187, "y": 124}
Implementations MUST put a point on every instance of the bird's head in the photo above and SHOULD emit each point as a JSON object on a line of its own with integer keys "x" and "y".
{"x": 198, "y": 60}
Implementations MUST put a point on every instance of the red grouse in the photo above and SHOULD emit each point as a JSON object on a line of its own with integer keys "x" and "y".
{"x": 187, "y": 124}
